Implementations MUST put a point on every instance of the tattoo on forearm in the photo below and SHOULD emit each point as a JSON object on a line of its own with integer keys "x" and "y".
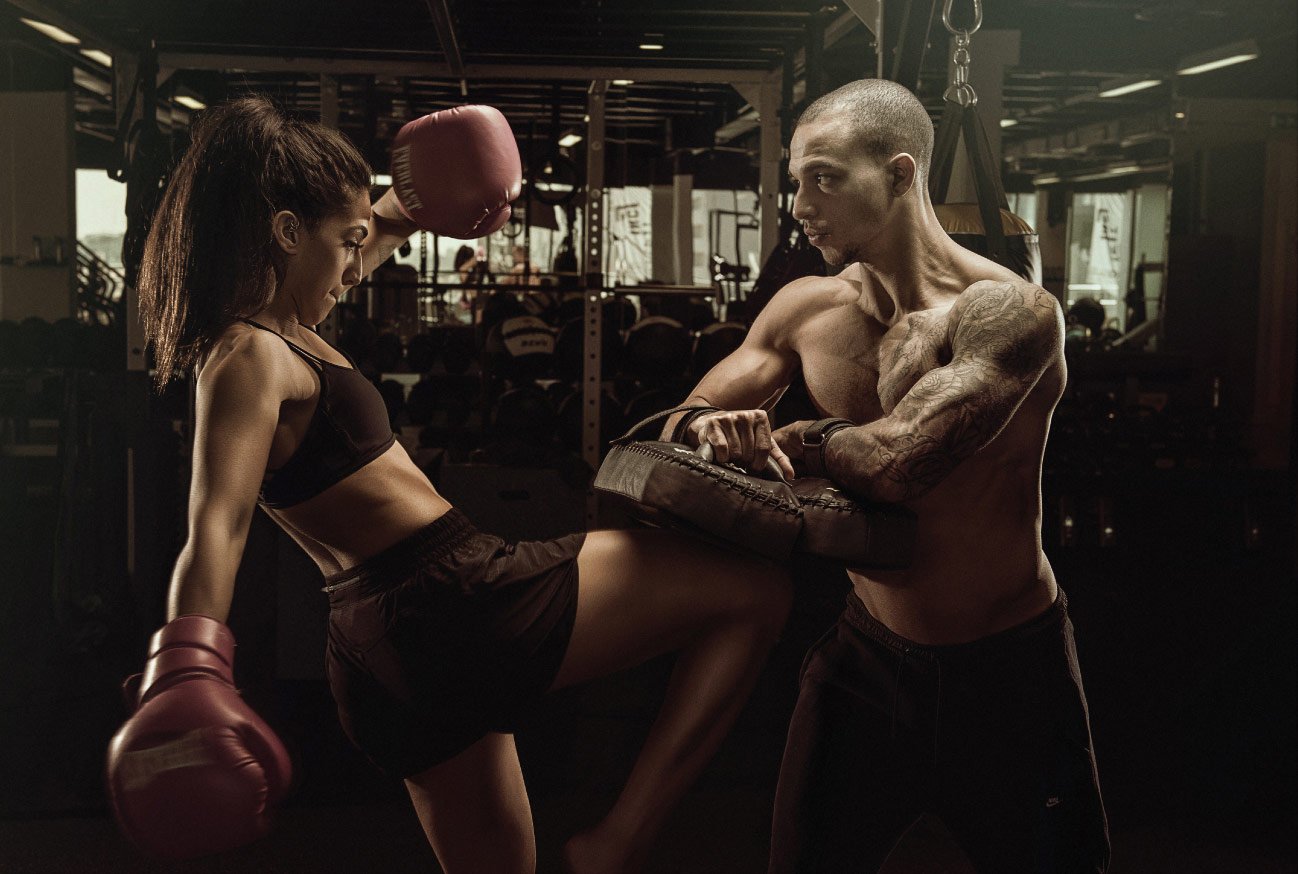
{"x": 1005, "y": 337}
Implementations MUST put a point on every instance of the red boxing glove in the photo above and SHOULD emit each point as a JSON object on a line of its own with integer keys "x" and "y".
{"x": 456, "y": 171}
{"x": 194, "y": 771}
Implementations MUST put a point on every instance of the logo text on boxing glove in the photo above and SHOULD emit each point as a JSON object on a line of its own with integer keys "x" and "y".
{"x": 404, "y": 180}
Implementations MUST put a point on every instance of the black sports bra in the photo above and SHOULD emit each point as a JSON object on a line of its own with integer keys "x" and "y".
{"x": 348, "y": 430}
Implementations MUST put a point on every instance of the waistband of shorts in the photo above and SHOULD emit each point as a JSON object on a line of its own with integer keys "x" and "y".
{"x": 431, "y": 543}
{"x": 860, "y": 618}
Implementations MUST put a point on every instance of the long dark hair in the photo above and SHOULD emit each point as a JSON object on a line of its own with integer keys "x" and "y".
{"x": 210, "y": 254}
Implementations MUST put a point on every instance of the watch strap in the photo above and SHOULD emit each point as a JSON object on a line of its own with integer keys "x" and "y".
{"x": 814, "y": 439}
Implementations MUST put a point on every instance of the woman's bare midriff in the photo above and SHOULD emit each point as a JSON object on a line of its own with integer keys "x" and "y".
{"x": 377, "y": 506}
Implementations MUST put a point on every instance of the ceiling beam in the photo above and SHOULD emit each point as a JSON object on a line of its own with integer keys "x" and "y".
{"x": 748, "y": 119}
{"x": 450, "y": 46}
{"x": 1078, "y": 140}
{"x": 89, "y": 37}
{"x": 288, "y": 63}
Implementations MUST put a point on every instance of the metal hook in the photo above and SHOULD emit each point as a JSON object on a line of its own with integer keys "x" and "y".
{"x": 978, "y": 18}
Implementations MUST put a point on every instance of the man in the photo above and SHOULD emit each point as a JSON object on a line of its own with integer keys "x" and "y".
{"x": 951, "y": 688}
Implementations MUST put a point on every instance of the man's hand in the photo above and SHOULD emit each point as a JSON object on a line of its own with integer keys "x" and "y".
{"x": 789, "y": 438}
{"x": 740, "y": 437}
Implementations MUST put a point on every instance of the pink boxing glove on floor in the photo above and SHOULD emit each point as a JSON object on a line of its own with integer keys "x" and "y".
{"x": 455, "y": 172}
{"x": 195, "y": 770}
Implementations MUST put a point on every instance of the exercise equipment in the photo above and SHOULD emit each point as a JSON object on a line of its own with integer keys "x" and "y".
{"x": 388, "y": 354}
{"x": 519, "y": 348}
{"x": 9, "y": 332}
{"x": 986, "y": 227}
{"x": 568, "y": 350}
{"x": 67, "y": 343}
{"x": 524, "y": 413}
{"x": 195, "y": 770}
{"x": 792, "y": 259}
{"x": 714, "y": 343}
{"x": 611, "y": 420}
{"x": 457, "y": 349}
{"x": 657, "y": 350}
{"x": 455, "y": 172}
{"x": 35, "y": 342}
{"x": 358, "y": 337}
{"x": 394, "y": 398}
{"x": 671, "y": 485}
{"x": 423, "y": 350}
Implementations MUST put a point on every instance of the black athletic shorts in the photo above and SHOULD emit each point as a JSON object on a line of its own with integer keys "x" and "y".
{"x": 992, "y": 738}
{"x": 444, "y": 637}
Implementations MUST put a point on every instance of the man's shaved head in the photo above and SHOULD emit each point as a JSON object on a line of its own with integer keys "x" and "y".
{"x": 884, "y": 119}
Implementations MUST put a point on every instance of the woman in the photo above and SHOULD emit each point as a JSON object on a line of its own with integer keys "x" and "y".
{"x": 438, "y": 635}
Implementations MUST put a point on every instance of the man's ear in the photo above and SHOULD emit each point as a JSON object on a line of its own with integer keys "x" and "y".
{"x": 287, "y": 231}
{"x": 902, "y": 167}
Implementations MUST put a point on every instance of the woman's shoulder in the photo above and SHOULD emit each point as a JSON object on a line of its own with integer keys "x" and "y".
{"x": 245, "y": 357}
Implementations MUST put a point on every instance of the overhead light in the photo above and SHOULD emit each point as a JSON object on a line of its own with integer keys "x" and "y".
{"x": 1045, "y": 180}
{"x": 89, "y": 81}
{"x": 1009, "y": 122}
{"x": 100, "y": 56}
{"x": 1109, "y": 172}
{"x": 1223, "y": 56}
{"x": 569, "y": 140}
{"x": 190, "y": 102}
{"x": 1119, "y": 87}
{"x": 624, "y": 81}
{"x": 381, "y": 179}
{"x": 557, "y": 187}
{"x": 57, "y": 34}
{"x": 651, "y": 46}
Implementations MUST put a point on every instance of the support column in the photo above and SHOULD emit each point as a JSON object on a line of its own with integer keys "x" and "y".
{"x": 662, "y": 218}
{"x": 683, "y": 227}
{"x": 38, "y": 227}
{"x": 990, "y": 51}
{"x": 329, "y": 118}
{"x": 593, "y": 271}
{"x": 1277, "y": 327}
{"x": 772, "y": 158}
{"x": 126, "y": 66}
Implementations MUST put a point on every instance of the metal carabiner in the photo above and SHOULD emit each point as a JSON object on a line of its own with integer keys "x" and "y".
{"x": 978, "y": 18}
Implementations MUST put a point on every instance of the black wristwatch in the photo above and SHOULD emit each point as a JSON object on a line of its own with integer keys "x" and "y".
{"x": 813, "y": 444}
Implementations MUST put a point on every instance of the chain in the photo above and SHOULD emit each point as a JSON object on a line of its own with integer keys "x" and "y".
{"x": 961, "y": 91}
{"x": 978, "y": 19}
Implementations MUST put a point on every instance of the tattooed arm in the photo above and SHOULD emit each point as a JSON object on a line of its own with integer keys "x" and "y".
{"x": 1003, "y": 337}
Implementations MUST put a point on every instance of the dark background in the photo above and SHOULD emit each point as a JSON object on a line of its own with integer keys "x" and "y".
{"x": 1180, "y": 566}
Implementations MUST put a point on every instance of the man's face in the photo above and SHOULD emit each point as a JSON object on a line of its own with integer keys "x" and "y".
{"x": 842, "y": 193}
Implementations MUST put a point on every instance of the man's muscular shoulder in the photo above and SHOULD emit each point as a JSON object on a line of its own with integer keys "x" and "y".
{"x": 1014, "y": 323}
{"x": 804, "y": 301}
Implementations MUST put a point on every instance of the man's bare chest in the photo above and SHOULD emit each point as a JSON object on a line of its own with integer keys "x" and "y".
{"x": 858, "y": 368}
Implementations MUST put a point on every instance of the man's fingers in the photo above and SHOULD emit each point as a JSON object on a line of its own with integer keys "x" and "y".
{"x": 783, "y": 461}
{"x": 762, "y": 448}
{"x": 734, "y": 442}
{"x": 713, "y": 433}
{"x": 741, "y": 437}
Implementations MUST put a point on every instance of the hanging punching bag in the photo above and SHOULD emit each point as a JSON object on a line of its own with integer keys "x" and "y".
{"x": 986, "y": 227}
{"x": 964, "y": 224}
